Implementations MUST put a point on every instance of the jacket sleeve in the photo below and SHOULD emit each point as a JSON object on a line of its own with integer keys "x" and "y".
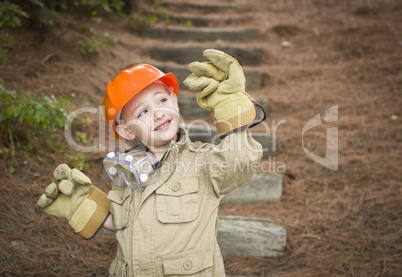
{"x": 232, "y": 162}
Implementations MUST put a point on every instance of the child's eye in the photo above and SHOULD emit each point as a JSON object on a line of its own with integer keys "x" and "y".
{"x": 143, "y": 112}
{"x": 163, "y": 100}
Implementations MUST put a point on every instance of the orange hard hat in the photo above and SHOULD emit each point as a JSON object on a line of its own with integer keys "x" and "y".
{"x": 127, "y": 84}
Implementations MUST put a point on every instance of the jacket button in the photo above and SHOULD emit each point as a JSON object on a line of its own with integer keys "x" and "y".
{"x": 187, "y": 265}
{"x": 176, "y": 186}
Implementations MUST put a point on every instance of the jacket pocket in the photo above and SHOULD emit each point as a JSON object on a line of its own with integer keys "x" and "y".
{"x": 118, "y": 268}
{"x": 198, "y": 262}
{"x": 177, "y": 201}
{"x": 120, "y": 207}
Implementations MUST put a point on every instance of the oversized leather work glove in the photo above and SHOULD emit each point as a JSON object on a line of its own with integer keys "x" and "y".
{"x": 72, "y": 196}
{"x": 222, "y": 84}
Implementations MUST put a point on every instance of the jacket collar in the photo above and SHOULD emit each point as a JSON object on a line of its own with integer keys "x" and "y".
{"x": 177, "y": 146}
{"x": 169, "y": 160}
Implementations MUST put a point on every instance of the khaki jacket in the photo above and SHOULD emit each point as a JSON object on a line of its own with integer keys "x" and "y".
{"x": 170, "y": 227}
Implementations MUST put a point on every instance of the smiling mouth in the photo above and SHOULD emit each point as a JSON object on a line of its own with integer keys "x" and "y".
{"x": 163, "y": 126}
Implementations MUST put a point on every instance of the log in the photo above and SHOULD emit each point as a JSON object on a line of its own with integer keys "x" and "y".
{"x": 261, "y": 189}
{"x": 200, "y": 6}
{"x": 190, "y": 109}
{"x": 208, "y": 134}
{"x": 201, "y": 34}
{"x": 187, "y": 54}
{"x": 254, "y": 79}
{"x": 240, "y": 236}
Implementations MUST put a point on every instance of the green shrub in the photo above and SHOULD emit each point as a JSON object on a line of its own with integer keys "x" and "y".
{"x": 9, "y": 18}
{"x": 26, "y": 121}
{"x": 97, "y": 6}
{"x": 90, "y": 44}
{"x": 141, "y": 21}
{"x": 43, "y": 12}
{"x": 88, "y": 7}
{"x": 78, "y": 161}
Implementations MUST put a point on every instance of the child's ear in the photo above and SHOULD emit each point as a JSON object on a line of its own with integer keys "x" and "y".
{"x": 125, "y": 132}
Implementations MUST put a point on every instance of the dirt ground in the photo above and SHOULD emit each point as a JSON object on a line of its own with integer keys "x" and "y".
{"x": 318, "y": 54}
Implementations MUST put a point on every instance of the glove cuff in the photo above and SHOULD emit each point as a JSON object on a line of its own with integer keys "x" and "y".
{"x": 101, "y": 213}
{"x": 238, "y": 122}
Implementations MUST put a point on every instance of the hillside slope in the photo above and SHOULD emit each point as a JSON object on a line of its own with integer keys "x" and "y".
{"x": 317, "y": 54}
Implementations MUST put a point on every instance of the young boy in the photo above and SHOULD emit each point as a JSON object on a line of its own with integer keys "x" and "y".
{"x": 169, "y": 227}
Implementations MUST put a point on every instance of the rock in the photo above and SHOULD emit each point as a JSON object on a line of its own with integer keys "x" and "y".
{"x": 20, "y": 246}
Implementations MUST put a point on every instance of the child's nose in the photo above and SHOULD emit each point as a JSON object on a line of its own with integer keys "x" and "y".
{"x": 158, "y": 114}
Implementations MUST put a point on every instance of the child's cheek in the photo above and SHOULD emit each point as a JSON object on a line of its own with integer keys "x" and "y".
{"x": 141, "y": 126}
{"x": 173, "y": 97}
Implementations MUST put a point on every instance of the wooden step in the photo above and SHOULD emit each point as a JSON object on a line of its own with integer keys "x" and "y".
{"x": 188, "y": 54}
{"x": 208, "y": 134}
{"x": 204, "y": 34}
{"x": 261, "y": 189}
{"x": 248, "y": 236}
{"x": 205, "y": 20}
{"x": 189, "y": 108}
{"x": 194, "y": 20}
{"x": 254, "y": 79}
{"x": 202, "y": 7}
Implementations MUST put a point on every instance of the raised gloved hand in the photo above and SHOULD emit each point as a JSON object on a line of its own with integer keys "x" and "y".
{"x": 222, "y": 84}
{"x": 72, "y": 196}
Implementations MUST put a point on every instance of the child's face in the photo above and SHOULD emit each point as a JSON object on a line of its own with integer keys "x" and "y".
{"x": 152, "y": 116}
